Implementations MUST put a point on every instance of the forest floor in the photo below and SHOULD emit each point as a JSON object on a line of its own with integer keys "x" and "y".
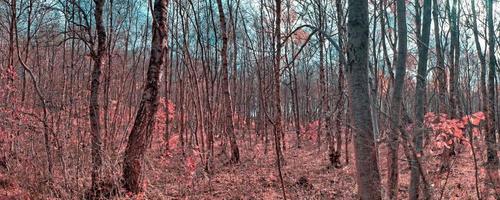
{"x": 306, "y": 174}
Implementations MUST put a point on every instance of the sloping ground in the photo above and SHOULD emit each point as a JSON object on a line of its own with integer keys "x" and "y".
{"x": 306, "y": 175}
{"x": 460, "y": 183}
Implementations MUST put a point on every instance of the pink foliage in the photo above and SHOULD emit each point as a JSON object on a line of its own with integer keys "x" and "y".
{"x": 448, "y": 131}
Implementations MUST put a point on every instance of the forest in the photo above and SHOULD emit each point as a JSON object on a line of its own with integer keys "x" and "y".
{"x": 249, "y": 99}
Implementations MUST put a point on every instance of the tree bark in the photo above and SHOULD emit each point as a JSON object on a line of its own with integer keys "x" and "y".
{"x": 441, "y": 71}
{"x": 229, "y": 124}
{"x": 454, "y": 56}
{"x": 277, "y": 98}
{"x": 323, "y": 114}
{"x": 368, "y": 177}
{"x": 335, "y": 155}
{"x": 420, "y": 94}
{"x": 492, "y": 161}
{"x": 94, "y": 95}
{"x": 12, "y": 32}
{"x": 397, "y": 95}
{"x": 144, "y": 120}
{"x": 482, "y": 59}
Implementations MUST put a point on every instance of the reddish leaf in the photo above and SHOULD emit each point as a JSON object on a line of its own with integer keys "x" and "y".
{"x": 476, "y": 132}
{"x": 458, "y": 132}
{"x": 475, "y": 121}
{"x": 479, "y": 115}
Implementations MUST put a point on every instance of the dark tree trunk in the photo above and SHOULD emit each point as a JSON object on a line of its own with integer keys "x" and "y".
{"x": 296, "y": 105}
{"x": 277, "y": 98}
{"x": 397, "y": 95}
{"x": 454, "y": 55}
{"x": 322, "y": 114}
{"x": 277, "y": 83}
{"x": 420, "y": 94}
{"x": 144, "y": 120}
{"x": 168, "y": 84}
{"x": 335, "y": 156}
{"x": 12, "y": 32}
{"x": 492, "y": 161}
{"x": 368, "y": 176}
{"x": 229, "y": 124}
{"x": 441, "y": 71}
{"x": 482, "y": 59}
{"x": 453, "y": 81}
{"x": 94, "y": 95}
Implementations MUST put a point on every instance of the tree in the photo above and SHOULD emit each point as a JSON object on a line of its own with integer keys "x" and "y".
{"x": 454, "y": 58}
{"x": 420, "y": 94}
{"x": 229, "y": 124}
{"x": 482, "y": 59}
{"x": 324, "y": 108}
{"x": 454, "y": 67}
{"x": 492, "y": 160}
{"x": 368, "y": 176}
{"x": 94, "y": 111}
{"x": 277, "y": 97}
{"x": 12, "y": 33}
{"x": 335, "y": 156}
{"x": 397, "y": 100}
{"x": 441, "y": 70}
{"x": 144, "y": 120}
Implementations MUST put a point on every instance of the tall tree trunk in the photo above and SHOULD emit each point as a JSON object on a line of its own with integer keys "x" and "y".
{"x": 335, "y": 156}
{"x": 10, "y": 72}
{"x": 229, "y": 124}
{"x": 492, "y": 161}
{"x": 482, "y": 59}
{"x": 277, "y": 98}
{"x": 323, "y": 112}
{"x": 441, "y": 71}
{"x": 453, "y": 81}
{"x": 26, "y": 50}
{"x": 420, "y": 94}
{"x": 168, "y": 86}
{"x": 107, "y": 76}
{"x": 296, "y": 104}
{"x": 182, "y": 106}
{"x": 397, "y": 100}
{"x": 12, "y": 32}
{"x": 233, "y": 18}
{"x": 368, "y": 176}
{"x": 144, "y": 120}
{"x": 94, "y": 95}
{"x": 454, "y": 50}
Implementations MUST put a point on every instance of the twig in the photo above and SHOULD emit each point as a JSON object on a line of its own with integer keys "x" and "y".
{"x": 476, "y": 173}
{"x": 446, "y": 180}
{"x": 404, "y": 135}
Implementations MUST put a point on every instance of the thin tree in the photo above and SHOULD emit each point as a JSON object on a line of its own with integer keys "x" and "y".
{"x": 94, "y": 111}
{"x": 492, "y": 161}
{"x": 454, "y": 58}
{"x": 229, "y": 124}
{"x": 277, "y": 98}
{"x": 420, "y": 94}
{"x": 335, "y": 156}
{"x": 324, "y": 105}
{"x": 397, "y": 100}
{"x": 441, "y": 70}
{"x": 144, "y": 120}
